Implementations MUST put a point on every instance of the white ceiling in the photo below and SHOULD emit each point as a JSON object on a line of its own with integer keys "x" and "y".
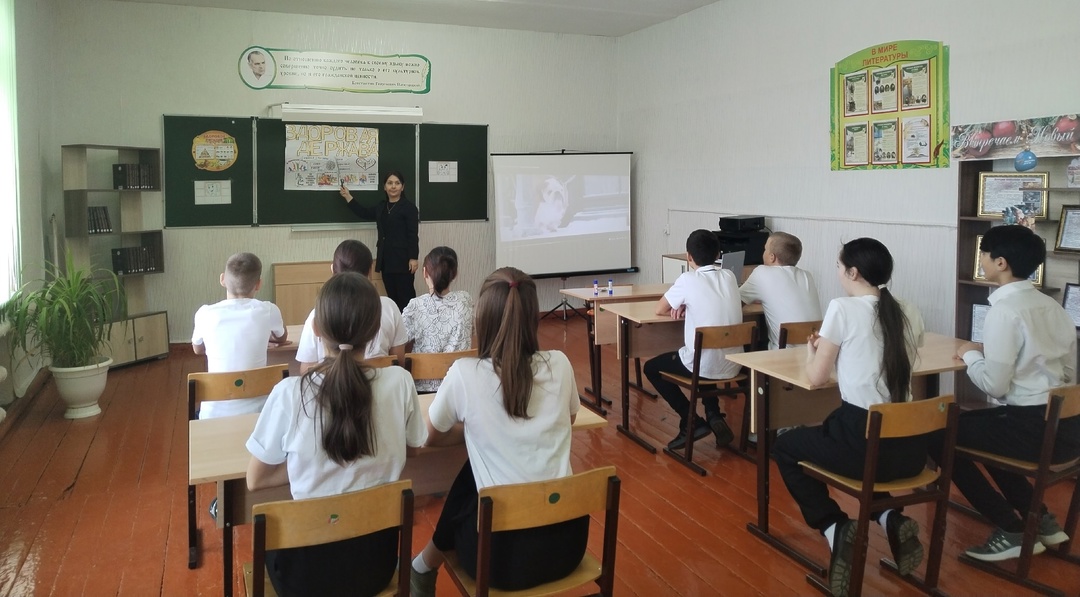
{"x": 586, "y": 17}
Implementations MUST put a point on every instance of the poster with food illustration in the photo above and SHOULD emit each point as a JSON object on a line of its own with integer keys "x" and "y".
{"x": 916, "y": 145}
{"x": 326, "y": 156}
{"x": 885, "y": 146}
{"x": 884, "y": 86}
{"x": 213, "y": 151}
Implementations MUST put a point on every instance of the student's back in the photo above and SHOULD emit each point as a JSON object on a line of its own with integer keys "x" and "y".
{"x": 786, "y": 292}
{"x": 441, "y": 320}
{"x": 711, "y": 297}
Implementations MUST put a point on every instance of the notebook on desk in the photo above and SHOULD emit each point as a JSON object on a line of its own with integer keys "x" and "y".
{"x": 734, "y": 262}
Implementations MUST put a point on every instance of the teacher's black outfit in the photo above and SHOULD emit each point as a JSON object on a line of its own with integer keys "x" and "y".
{"x": 398, "y": 226}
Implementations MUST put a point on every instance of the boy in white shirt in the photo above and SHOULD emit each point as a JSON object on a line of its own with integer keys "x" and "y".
{"x": 706, "y": 295}
{"x": 1029, "y": 347}
{"x": 233, "y": 334}
{"x": 786, "y": 292}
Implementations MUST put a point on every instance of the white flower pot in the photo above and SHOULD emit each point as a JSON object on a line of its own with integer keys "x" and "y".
{"x": 80, "y": 387}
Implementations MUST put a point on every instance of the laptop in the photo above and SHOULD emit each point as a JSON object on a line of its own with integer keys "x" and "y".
{"x": 734, "y": 262}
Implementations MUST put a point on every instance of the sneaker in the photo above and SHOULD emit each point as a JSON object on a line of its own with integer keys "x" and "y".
{"x": 213, "y": 508}
{"x": 903, "y": 534}
{"x": 422, "y": 584}
{"x": 840, "y": 561}
{"x": 1000, "y": 546}
{"x": 723, "y": 433}
{"x": 700, "y": 431}
{"x": 1050, "y": 532}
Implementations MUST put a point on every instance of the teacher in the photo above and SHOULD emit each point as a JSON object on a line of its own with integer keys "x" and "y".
{"x": 398, "y": 245}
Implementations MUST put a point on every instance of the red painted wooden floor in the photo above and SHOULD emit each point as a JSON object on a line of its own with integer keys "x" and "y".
{"x": 97, "y": 507}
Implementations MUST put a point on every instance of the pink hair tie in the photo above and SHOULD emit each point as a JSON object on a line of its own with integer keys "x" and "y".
{"x": 345, "y": 346}
{"x": 513, "y": 284}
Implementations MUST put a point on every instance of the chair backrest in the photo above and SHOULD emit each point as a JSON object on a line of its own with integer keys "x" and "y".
{"x": 796, "y": 332}
{"x": 528, "y": 505}
{"x": 433, "y": 365}
{"x": 380, "y": 362}
{"x": 907, "y": 419}
{"x": 1070, "y": 401}
{"x": 314, "y": 521}
{"x": 724, "y": 336}
{"x": 233, "y": 385}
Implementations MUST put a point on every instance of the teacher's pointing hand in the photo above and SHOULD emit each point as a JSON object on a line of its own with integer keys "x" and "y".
{"x": 344, "y": 192}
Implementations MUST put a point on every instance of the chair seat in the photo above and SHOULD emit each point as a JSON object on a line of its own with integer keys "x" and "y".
{"x": 1024, "y": 464}
{"x": 922, "y": 479}
{"x": 702, "y": 382}
{"x": 588, "y": 570}
{"x": 268, "y": 587}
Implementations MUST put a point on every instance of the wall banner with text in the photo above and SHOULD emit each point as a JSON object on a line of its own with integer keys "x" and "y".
{"x": 327, "y": 156}
{"x": 890, "y": 107}
{"x": 273, "y": 68}
{"x": 1046, "y": 136}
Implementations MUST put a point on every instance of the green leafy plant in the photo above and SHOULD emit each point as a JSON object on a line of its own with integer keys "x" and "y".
{"x": 69, "y": 317}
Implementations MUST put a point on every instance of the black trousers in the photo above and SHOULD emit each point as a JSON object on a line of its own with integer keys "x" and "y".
{"x": 839, "y": 444}
{"x": 399, "y": 287}
{"x": 520, "y": 559}
{"x": 1014, "y": 432}
{"x": 671, "y": 363}
{"x": 359, "y": 566}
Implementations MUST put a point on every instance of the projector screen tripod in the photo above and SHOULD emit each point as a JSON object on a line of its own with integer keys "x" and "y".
{"x": 565, "y": 305}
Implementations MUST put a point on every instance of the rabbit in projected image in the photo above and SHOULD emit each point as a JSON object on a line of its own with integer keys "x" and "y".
{"x": 552, "y": 207}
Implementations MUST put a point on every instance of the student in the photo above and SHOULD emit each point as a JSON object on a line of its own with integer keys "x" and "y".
{"x": 354, "y": 256}
{"x": 341, "y": 427}
{"x": 1029, "y": 347}
{"x": 441, "y": 320}
{"x": 786, "y": 292}
{"x": 514, "y": 405}
{"x": 233, "y": 333}
{"x": 706, "y": 295}
{"x": 871, "y": 338}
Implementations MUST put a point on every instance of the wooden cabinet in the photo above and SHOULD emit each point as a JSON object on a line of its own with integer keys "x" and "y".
{"x": 297, "y": 284}
{"x": 139, "y": 338}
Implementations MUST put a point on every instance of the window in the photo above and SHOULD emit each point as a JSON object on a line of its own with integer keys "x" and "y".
{"x": 9, "y": 210}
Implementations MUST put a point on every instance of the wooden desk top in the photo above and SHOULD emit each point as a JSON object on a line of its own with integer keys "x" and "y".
{"x": 637, "y": 291}
{"x": 217, "y": 451}
{"x": 789, "y": 364}
{"x": 645, "y": 312}
{"x": 294, "y": 337}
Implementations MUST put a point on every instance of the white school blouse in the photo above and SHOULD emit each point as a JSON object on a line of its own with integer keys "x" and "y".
{"x": 711, "y": 297}
{"x": 391, "y": 333}
{"x": 786, "y": 293}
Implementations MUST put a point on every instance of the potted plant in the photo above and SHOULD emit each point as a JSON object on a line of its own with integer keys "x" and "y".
{"x": 68, "y": 319}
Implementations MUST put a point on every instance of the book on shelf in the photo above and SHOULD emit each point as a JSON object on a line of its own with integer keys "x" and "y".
{"x": 133, "y": 260}
{"x": 97, "y": 220}
{"x": 128, "y": 177}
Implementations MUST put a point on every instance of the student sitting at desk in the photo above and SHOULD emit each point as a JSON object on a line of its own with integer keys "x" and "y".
{"x": 514, "y": 405}
{"x": 871, "y": 339}
{"x": 441, "y": 320}
{"x": 354, "y": 256}
{"x": 233, "y": 333}
{"x": 786, "y": 292}
{"x": 706, "y": 295}
{"x": 1029, "y": 347}
{"x": 340, "y": 427}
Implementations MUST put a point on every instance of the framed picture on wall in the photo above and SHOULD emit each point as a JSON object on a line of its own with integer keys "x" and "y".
{"x": 1071, "y": 302}
{"x": 1013, "y": 195}
{"x": 1068, "y": 236}
{"x": 977, "y": 273}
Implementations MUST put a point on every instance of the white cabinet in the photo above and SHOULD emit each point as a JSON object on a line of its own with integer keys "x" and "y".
{"x": 674, "y": 266}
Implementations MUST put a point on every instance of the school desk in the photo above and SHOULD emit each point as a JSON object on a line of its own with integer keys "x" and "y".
{"x": 286, "y": 353}
{"x": 641, "y": 333}
{"x": 217, "y": 454}
{"x": 784, "y": 397}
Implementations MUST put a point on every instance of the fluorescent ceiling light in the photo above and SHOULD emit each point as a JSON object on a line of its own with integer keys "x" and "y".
{"x": 362, "y": 114}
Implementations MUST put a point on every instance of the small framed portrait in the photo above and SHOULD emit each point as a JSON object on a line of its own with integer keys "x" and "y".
{"x": 1068, "y": 235}
{"x": 1036, "y": 278}
{"x": 1002, "y": 193}
{"x": 1071, "y": 302}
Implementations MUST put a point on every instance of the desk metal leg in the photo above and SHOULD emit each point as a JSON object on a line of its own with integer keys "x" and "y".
{"x": 225, "y": 508}
{"x": 637, "y": 385}
{"x": 193, "y": 530}
{"x": 595, "y": 372}
{"x": 624, "y": 361}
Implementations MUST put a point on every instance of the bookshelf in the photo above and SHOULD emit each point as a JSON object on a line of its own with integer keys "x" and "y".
{"x": 106, "y": 226}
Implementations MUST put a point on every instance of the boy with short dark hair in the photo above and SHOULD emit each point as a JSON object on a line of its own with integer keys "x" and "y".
{"x": 1029, "y": 347}
{"x": 786, "y": 292}
{"x": 233, "y": 333}
{"x": 706, "y": 295}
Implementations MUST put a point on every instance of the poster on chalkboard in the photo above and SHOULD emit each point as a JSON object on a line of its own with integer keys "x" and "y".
{"x": 329, "y": 156}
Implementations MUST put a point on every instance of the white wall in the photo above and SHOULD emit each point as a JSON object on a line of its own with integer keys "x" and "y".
{"x": 727, "y": 111}
{"x": 125, "y": 64}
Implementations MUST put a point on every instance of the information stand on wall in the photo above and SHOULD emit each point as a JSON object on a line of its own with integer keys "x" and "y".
{"x": 209, "y": 171}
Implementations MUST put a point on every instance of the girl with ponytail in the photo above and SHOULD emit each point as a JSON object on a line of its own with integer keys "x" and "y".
{"x": 514, "y": 405}
{"x": 870, "y": 338}
{"x": 442, "y": 319}
{"x": 343, "y": 426}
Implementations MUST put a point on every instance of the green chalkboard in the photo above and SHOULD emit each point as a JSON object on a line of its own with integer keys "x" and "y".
{"x": 225, "y": 155}
{"x": 465, "y": 145}
{"x": 397, "y": 151}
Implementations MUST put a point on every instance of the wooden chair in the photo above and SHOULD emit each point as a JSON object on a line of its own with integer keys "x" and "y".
{"x": 798, "y": 331}
{"x": 433, "y": 365}
{"x": 1064, "y": 403}
{"x": 528, "y": 505}
{"x": 706, "y": 338}
{"x": 209, "y": 387}
{"x": 299, "y": 523}
{"x": 902, "y": 419}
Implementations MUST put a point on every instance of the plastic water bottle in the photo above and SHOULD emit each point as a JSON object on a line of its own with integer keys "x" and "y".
{"x": 610, "y": 287}
{"x": 596, "y": 287}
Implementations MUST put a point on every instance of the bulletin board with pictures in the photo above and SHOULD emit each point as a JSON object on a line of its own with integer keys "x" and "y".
{"x": 890, "y": 107}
